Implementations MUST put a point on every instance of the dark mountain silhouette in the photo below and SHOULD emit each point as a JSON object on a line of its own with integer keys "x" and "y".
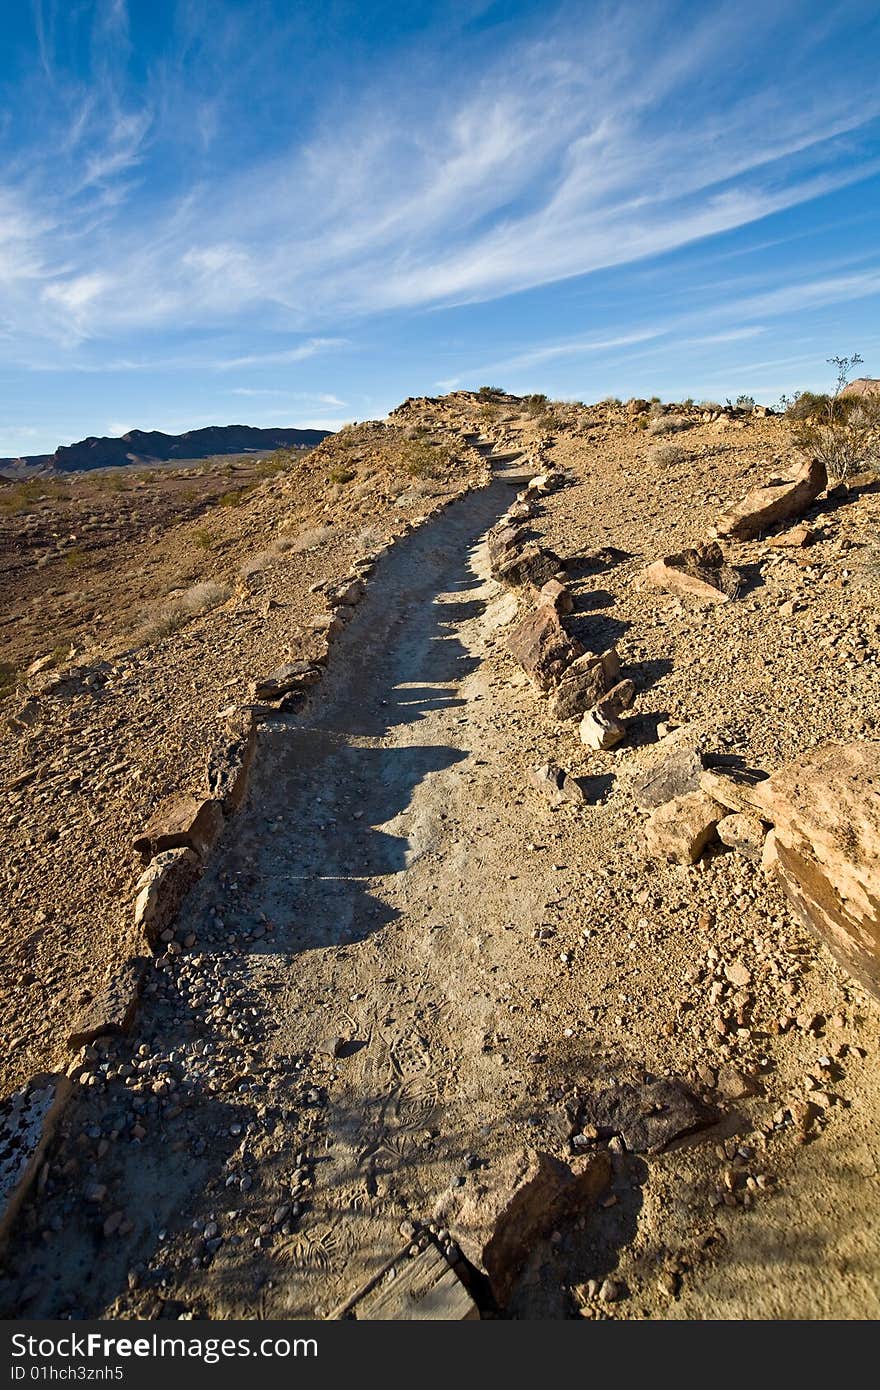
{"x": 152, "y": 446}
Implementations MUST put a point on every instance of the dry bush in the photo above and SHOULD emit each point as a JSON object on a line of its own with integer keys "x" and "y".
{"x": 667, "y": 454}
{"x": 201, "y": 598}
{"x": 668, "y": 424}
{"x": 181, "y": 608}
{"x": 422, "y": 459}
{"x": 310, "y": 539}
{"x": 845, "y": 435}
{"x": 371, "y": 538}
{"x": 256, "y": 564}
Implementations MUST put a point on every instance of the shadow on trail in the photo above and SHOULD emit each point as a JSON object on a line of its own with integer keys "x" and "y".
{"x": 290, "y": 877}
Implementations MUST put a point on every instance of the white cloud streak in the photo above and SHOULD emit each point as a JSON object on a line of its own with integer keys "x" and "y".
{"x": 590, "y": 148}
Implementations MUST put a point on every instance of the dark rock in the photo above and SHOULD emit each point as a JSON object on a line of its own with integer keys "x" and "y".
{"x": 229, "y": 761}
{"x": 647, "y": 1117}
{"x": 516, "y": 1203}
{"x": 531, "y": 565}
{"x": 557, "y": 784}
{"x": 674, "y": 767}
{"x": 112, "y": 1011}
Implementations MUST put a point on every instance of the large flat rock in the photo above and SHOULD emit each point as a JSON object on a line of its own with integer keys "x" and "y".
{"x": 781, "y": 499}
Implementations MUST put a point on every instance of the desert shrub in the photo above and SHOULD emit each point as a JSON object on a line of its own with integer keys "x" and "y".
{"x": 845, "y": 440}
{"x": 491, "y": 391}
{"x": 371, "y": 538}
{"x": 8, "y": 679}
{"x": 201, "y": 598}
{"x": 804, "y": 404}
{"x": 74, "y": 557}
{"x": 310, "y": 539}
{"x": 181, "y": 608}
{"x": 640, "y": 422}
{"x": 203, "y": 538}
{"x": 535, "y": 404}
{"x": 255, "y": 564}
{"x": 667, "y": 454}
{"x": 668, "y": 424}
{"x": 231, "y": 499}
{"x": 842, "y": 431}
{"x": 341, "y": 475}
{"x": 744, "y": 402}
{"x": 421, "y": 459}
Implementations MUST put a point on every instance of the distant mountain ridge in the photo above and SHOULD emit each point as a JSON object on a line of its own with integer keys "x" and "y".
{"x": 152, "y": 446}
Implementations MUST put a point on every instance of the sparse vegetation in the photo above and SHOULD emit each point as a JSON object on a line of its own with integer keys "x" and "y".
{"x": 491, "y": 391}
{"x": 181, "y": 608}
{"x": 668, "y": 424}
{"x": 8, "y": 679}
{"x": 842, "y": 431}
{"x": 665, "y": 455}
{"x": 341, "y": 475}
{"x": 421, "y": 459}
{"x": 310, "y": 539}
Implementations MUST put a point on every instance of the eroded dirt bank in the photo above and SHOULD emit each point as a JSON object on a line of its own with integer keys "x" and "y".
{"x": 405, "y": 959}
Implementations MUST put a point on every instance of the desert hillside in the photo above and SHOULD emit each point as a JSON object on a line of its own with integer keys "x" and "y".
{"x": 443, "y": 864}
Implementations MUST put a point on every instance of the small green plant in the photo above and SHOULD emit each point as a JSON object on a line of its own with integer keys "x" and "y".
{"x": 536, "y": 404}
{"x": 491, "y": 391}
{"x": 203, "y": 538}
{"x": 231, "y": 499}
{"x": 341, "y": 475}
{"x": 744, "y": 402}
{"x": 74, "y": 557}
{"x": 421, "y": 459}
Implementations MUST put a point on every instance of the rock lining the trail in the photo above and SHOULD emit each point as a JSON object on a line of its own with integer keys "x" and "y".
{"x": 28, "y": 1119}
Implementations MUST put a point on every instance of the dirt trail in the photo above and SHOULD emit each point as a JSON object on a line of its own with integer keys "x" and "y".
{"x": 374, "y": 847}
{"x": 402, "y": 960}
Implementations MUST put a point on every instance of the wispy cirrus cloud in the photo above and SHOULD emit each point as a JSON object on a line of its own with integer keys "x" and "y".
{"x": 591, "y": 146}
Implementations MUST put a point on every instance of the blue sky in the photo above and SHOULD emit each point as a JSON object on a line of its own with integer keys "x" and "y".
{"x": 273, "y": 212}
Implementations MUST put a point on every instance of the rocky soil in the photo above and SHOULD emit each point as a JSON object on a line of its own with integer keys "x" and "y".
{"x": 409, "y": 959}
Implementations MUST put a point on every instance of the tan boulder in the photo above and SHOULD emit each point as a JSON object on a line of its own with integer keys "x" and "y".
{"x": 825, "y": 848}
{"x": 679, "y": 831}
{"x": 518, "y": 1202}
{"x": 161, "y": 890}
{"x": 795, "y": 538}
{"x": 699, "y": 573}
{"x": 778, "y": 500}
{"x": 601, "y": 726}
{"x": 734, "y": 788}
{"x": 557, "y": 595}
{"x": 188, "y": 822}
{"x": 743, "y": 832}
